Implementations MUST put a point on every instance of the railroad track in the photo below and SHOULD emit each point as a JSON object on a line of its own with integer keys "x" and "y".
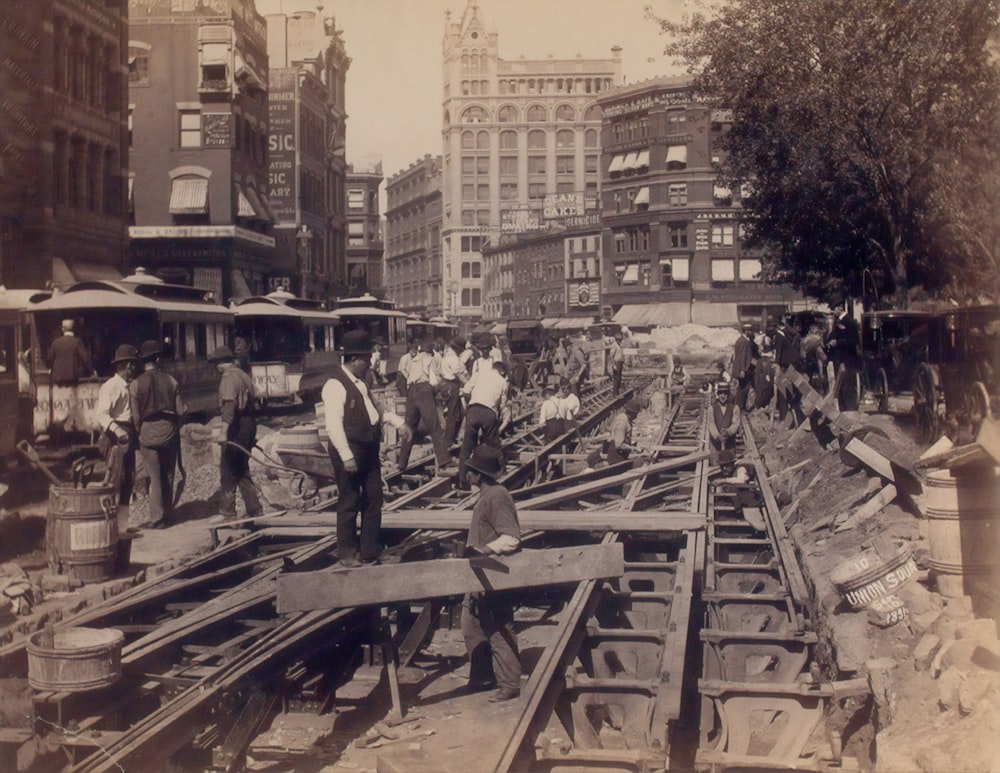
{"x": 207, "y": 662}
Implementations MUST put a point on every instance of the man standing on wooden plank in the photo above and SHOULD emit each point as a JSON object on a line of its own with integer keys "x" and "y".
{"x": 488, "y": 618}
{"x": 354, "y": 423}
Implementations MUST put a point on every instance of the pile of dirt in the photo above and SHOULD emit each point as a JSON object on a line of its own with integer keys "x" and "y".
{"x": 934, "y": 669}
{"x": 688, "y": 337}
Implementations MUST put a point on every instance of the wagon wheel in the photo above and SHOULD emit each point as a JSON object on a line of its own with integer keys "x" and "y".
{"x": 881, "y": 391}
{"x": 978, "y": 402}
{"x": 925, "y": 403}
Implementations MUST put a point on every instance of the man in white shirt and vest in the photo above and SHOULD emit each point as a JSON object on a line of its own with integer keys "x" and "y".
{"x": 118, "y": 441}
{"x": 421, "y": 409}
{"x": 453, "y": 378}
{"x": 354, "y": 423}
{"x": 487, "y": 391}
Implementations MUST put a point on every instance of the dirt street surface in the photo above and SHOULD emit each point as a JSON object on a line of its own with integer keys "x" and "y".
{"x": 932, "y": 659}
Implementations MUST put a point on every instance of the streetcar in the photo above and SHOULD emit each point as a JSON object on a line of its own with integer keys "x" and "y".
{"x": 893, "y": 343}
{"x": 15, "y": 385}
{"x": 957, "y": 384}
{"x": 290, "y": 342}
{"x": 435, "y": 329}
{"x": 380, "y": 319}
{"x": 187, "y": 322}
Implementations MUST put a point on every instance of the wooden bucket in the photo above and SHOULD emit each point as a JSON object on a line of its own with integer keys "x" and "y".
{"x": 81, "y": 533}
{"x": 74, "y": 659}
{"x": 873, "y": 574}
{"x": 963, "y": 530}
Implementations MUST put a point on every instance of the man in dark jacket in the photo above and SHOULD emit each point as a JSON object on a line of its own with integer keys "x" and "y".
{"x": 354, "y": 423}
{"x": 743, "y": 363}
{"x": 239, "y": 428}
{"x": 488, "y": 618}
{"x": 843, "y": 346}
{"x": 68, "y": 358}
{"x": 157, "y": 409}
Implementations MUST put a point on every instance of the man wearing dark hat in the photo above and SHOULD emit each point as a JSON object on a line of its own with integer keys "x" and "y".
{"x": 68, "y": 358}
{"x": 155, "y": 402}
{"x": 354, "y": 423}
{"x": 742, "y": 370}
{"x": 616, "y": 356}
{"x": 843, "y": 346}
{"x": 723, "y": 424}
{"x": 453, "y": 378}
{"x": 620, "y": 446}
{"x": 117, "y": 441}
{"x": 488, "y": 618}
{"x": 239, "y": 427}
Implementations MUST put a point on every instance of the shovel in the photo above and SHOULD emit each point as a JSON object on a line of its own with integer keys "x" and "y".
{"x": 182, "y": 473}
{"x": 29, "y": 453}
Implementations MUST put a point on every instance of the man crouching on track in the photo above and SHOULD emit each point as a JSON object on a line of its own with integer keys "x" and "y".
{"x": 488, "y": 618}
{"x": 354, "y": 423}
{"x": 239, "y": 428}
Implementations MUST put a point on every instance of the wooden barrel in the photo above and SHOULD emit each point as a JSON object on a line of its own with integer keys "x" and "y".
{"x": 74, "y": 659}
{"x": 81, "y": 534}
{"x": 963, "y": 530}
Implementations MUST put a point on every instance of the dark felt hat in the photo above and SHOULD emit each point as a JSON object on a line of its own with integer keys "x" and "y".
{"x": 356, "y": 342}
{"x": 125, "y": 353}
{"x": 458, "y": 343}
{"x": 487, "y": 461}
{"x": 150, "y": 349}
{"x": 221, "y": 354}
{"x": 633, "y": 407}
{"x": 722, "y": 388}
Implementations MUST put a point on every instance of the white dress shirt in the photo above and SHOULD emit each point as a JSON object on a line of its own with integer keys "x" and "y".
{"x": 488, "y": 388}
{"x": 335, "y": 398}
{"x": 112, "y": 402}
{"x": 452, "y": 368}
{"x": 548, "y": 411}
{"x": 569, "y": 406}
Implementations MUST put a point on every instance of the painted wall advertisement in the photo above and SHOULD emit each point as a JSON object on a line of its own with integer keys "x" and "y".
{"x": 281, "y": 142}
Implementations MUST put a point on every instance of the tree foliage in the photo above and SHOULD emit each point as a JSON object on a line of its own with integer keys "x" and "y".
{"x": 866, "y": 134}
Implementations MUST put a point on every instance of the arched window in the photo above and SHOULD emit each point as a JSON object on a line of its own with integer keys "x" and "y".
{"x": 565, "y": 113}
{"x": 465, "y": 64}
{"x": 468, "y": 140}
{"x": 502, "y": 88}
{"x": 590, "y": 138}
{"x": 536, "y": 139}
{"x": 474, "y": 114}
{"x": 483, "y": 141}
{"x": 536, "y": 113}
{"x": 564, "y": 138}
{"x": 593, "y": 113}
{"x": 507, "y": 114}
{"x": 508, "y": 140}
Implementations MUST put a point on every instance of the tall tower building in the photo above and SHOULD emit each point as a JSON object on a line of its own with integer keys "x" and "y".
{"x": 364, "y": 228}
{"x": 521, "y": 148}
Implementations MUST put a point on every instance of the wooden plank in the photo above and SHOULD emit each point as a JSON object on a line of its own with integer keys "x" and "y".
{"x": 869, "y": 508}
{"x": 334, "y": 588}
{"x": 530, "y": 520}
{"x": 871, "y": 458}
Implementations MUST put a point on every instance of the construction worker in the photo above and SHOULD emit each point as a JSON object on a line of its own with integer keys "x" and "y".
{"x": 723, "y": 424}
{"x": 421, "y": 409}
{"x": 156, "y": 406}
{"x": 743, "y": 363}
{"x": 619, "y": 446}
{"x": 453, "y": 377}
{"x": 488, "y": 393}
{"x": 488, "y": 617}
{"x": 118, "y": 442}
{"x": 239, "y": 428}
{"x": 548, "y": 415}
{"x": 354, "y": 424}
{"x": 616, "y": 355}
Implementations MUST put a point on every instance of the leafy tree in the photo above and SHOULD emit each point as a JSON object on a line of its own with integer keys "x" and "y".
{"x": 865, "y": 135}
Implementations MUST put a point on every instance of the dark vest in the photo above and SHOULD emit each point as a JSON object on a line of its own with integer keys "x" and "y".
{"x": 357, "y": 425}
{"x": 723, "y": 416}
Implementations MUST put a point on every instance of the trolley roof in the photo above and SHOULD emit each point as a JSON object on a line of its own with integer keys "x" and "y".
{"x": 123, "y": 294}
{"x": 283, "y": 304}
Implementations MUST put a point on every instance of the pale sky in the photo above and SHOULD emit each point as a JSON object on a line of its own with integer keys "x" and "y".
{"x": 394, "y": 83}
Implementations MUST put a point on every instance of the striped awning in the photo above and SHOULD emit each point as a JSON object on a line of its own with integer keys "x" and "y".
{"x": 258, "y": 207}
{"x": 642, "y": 159}
{"x": 650, "y": 315}
{"x": 189, "y": 196}
{"x": 630, "y": 160}
{"x": 642, "y": 197}
{"x": 677, "y": 154}
{"x": 616, "y": 164}
{"x": 244, "y": 208}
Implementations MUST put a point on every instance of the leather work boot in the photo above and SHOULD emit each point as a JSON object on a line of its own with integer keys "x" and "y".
{"x": 504, "y": 694}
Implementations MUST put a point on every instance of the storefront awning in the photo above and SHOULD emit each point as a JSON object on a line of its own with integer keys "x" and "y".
{"x": 630, "y": 160}
{"x": 631, "y": 275}
{"x": 650, "y": 315}
{"x": 642, "y": 159}
{"x": 189, "y": 196}
{"x": 715, "y": 314}
{"x": 244, "y": 208}
{"x": 258, "y": 207}
{"x": 66, "y": 274}
{"x": 573, "y": 323}
{"x": 499, "y": 329}
{"x": 241, "y": 290}
{"x": 642, "y": 197}
{"x": 677, "y": 154}
{"x": 550, "y": 322}
{"x": 616, "y": 164}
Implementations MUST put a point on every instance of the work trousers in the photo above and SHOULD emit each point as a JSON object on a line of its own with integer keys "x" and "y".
{"x": 359, "y": 492}
{"x": 488, "y": 628}
{"x": 234, "y": 469}
{"x": 482, "y": 426}
{"x": 158, "y": 442}
{"x": 616, "y": 377}
{"x": 421, "y": 408}
{"x": 848, "y": 397}
{"x": 119, "y": 456}
{"x": 743, "y": 389}
{"x": 451, "y": 399}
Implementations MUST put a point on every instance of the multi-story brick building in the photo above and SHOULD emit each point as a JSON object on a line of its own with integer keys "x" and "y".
{"x": 671, "y": 234}
{"x": 364, "y": 228}
{"x": 521, "y": 145}
{"x": 413, "y": 238}
{"x": 307, "y": 167}
{"x": 63, "y": 162}
{"x": 198, "y": 120}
